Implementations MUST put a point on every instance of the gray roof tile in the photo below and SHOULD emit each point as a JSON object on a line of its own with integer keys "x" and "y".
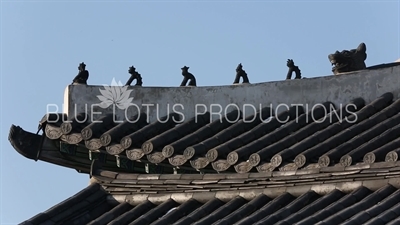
{"x": 368, "y": 134}
{"x": 297, "y": 172}
{"x": 249, "y": 202}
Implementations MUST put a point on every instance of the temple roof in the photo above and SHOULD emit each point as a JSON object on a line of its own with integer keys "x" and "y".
{"x": 326, "y": 164}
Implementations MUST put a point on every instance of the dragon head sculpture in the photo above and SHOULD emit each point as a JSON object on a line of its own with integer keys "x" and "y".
{"x": 349, "y": 60}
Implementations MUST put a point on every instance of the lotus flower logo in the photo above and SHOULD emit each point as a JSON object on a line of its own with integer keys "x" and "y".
{"x": 116, "y": 94}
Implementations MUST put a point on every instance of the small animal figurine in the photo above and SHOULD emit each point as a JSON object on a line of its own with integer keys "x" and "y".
{"x": 349, "y": 60}
{"x": 82, "y": 76}
{"x": 292, "y": 68}
{"x": 187, "y": 77}
{"x": 134, "y": 75}
{"x": 240, "y": 73}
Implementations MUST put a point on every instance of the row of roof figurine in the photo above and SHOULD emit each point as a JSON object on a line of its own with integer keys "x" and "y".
{"x": 344, "y": 61}
{"x": 83, "y": 75}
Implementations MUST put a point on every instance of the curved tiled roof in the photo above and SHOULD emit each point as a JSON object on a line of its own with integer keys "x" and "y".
{"x": 331, "y": 164}
{"x": 348, "y": 195}
{"x": 324, "y": 136}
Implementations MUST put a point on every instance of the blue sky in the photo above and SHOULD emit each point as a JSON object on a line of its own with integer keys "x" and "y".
{"x": 43, "y": 42}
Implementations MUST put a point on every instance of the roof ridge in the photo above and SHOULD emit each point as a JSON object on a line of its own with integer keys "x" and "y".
{"x": 273, "y": 192}
{"x": 203, "y": 187}
{"x": 97, "y": 170}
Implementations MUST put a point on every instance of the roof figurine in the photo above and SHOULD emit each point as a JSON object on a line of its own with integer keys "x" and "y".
{"x": 82, "y": 76}
{"x": 349, "y": 60}
{"x": 292, "y": 68}
{"x": 187, "y": 77}
{"x": 240, "y": 73}
{"x": 134, "y": 75}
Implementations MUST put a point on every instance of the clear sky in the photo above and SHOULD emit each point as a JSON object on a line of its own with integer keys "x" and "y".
{"x": 43, "y": 42}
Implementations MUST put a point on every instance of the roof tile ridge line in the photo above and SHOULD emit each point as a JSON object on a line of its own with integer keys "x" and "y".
{"x": 272, "y": 192}
{"x": 378, "y": 177}
{"x": 97, "y": 171}
{"x": 333, "y": 170}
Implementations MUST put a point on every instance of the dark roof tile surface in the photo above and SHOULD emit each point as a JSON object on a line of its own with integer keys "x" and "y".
{"x": 279, "y": 197}
{"x": 292, "y": 140}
